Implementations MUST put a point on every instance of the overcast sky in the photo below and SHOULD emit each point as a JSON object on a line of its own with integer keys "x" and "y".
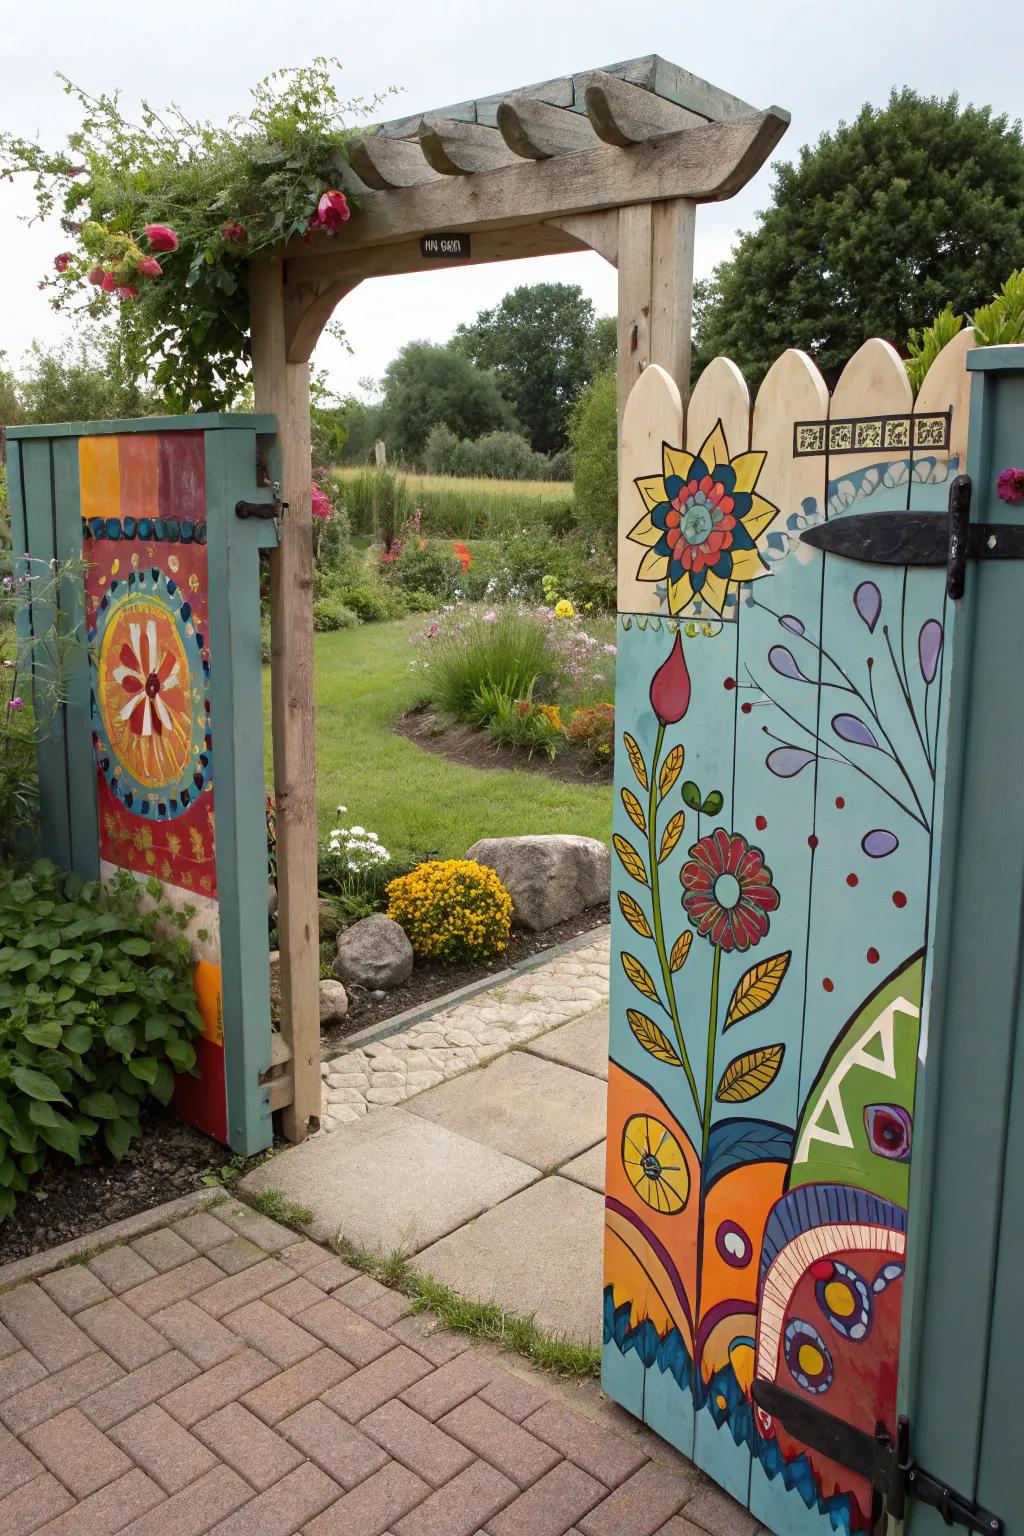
{"x": 819, "y": 60}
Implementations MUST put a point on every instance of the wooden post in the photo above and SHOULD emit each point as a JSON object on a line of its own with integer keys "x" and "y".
{"x": 283, "y": 388}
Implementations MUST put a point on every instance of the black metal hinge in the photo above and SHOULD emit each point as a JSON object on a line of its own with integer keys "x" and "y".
{"x": 891, "y": 1470}
{"x": 922, "y": 538}
{"x": 263, "y": 509}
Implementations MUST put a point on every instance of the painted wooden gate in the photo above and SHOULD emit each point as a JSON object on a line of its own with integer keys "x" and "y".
{"x": 783, "y": 735}
{"x": 168, "y": 692}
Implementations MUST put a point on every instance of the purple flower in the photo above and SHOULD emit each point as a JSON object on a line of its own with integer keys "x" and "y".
{"x": 16, "y": 703}
{"x": 491, "y": 617}
{"x": 1010, "y": 485}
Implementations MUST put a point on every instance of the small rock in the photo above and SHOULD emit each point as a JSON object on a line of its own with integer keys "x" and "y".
{"x": 271, "y": 899}
{"x": 374, "y": 953}
{"x": 325, "y": 1068}
{"x": 378, "y": 995}
{"x": 333, "y": 1002}
{"x": 550, "y": 878}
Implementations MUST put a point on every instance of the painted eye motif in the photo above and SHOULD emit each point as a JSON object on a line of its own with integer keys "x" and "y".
{"x": 844, "y": 1297}
{"x": 889, "y": 1129}
{"x": 807, "y": 1357}
{"x": 733, "y": 1244}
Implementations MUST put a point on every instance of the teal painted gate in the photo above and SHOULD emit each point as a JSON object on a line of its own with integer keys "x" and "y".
{"x": 153, "y": 764}
{"x": 800, "y": 883}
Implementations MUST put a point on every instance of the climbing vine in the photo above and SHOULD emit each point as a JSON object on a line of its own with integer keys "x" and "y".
{"x": 160, "y": 216}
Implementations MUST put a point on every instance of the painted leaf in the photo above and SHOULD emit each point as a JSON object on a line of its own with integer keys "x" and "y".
{"x": 671, "y": 835}
{"x": 691, "y": 795}
{"x": 670, "y": 770}
{"x": 636, "y": 757}
{"x": 735, "y": 1143}
{"x": 786, "y": 762}
{"x": 652, "y": 1038}
{"x": 750, "y": 1074}
{"x": 632, "y": 863}
{"x": 756, "y": 988}
{"x": 713, "y": 803}
{"x": 868, "y": 602}
{"x": 633, "y": 912}
{"x": 634, "y": 810}
{"x": 680, "y": 950}
{"x": 929, "y": 648}
{"x": 879, "y": 843}
{"x": 852, "y": 728}
{"x": 639, "y": 976}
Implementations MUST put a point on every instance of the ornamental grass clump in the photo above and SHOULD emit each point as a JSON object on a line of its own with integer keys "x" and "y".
{"x": 453, "y": 910}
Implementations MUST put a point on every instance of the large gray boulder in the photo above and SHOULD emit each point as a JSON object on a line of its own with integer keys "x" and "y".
{"x": 550, "y": 878}
{"x": 373, "y": 953}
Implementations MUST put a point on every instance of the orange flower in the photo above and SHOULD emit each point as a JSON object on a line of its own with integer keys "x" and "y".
{"x": 463, "y": 555}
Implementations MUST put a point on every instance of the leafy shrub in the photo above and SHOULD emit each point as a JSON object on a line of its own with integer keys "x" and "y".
{"x": 98, "y": 1015}
{"x": 593, "y": 728}
{"x": 330, "y": 614}
{"x": 434, "y": 568}
{"x": 520, "y": 723}
{"x": 439, "y": 451}
{"x": 995, "y": 325}
{"x": 505, "y": 651}
{"x": 452, "y": 909}
{"x": 560, "y": 464}
{"x": 373, "y": 602}
{"x": 593, "y": 433}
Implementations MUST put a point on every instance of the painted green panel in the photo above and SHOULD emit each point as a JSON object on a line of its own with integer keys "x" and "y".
{"x": 210, "y": 421}
{"x": 81, "y": 764}
{"x": 234, "y": 621}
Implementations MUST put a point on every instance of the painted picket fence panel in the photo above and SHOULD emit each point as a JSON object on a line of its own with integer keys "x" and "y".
{"x": 780, "y": 716}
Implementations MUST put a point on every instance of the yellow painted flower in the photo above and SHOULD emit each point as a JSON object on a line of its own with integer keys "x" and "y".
{"x": 702, "y": 522}
{"x": 655, "y": 1164}
{"x": 564, "y": 609}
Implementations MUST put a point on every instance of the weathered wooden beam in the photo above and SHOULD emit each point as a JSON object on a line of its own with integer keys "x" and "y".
{"x": 598, "y": 231}
{"x": 459, "y": 149}
{"x": 283, "y": 388}
{"x": 514, "y": 244}
{"x": 535, "y": 130}
{"x": 388, "y": 163}
{"x": 626, "y": 114}
{"x": 704, "y": 164}
{"x": 308, "y": 309}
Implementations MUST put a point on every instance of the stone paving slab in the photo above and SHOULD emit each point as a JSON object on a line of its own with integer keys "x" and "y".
{"x": 522, "y": 1106}
{"x": 395, "y": 1180}
{"x": 583, "y": 1044}
{"x": 538, "y": 1254}
{"x": 465, "y": 1034}
{"x": 435, "y": 1436}
{"x": 588, "y": 1168}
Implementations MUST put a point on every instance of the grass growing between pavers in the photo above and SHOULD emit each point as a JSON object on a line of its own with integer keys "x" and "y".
{"x": 415, "y": 801}
{"x": 271, "y": 1202}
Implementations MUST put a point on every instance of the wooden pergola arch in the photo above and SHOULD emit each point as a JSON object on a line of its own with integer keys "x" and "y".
{"x": 613, "y": 160}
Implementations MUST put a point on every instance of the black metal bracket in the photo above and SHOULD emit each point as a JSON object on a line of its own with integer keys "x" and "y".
{"x": 263, "y": 509}
{"x": 891, "y": 1470}
{"x": 922, "y": 538}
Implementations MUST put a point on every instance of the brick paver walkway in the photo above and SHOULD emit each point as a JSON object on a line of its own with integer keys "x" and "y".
{"x": 219, "y": 1375}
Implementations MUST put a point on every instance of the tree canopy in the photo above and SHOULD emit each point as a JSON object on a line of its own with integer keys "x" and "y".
{"x": 543, "y": 343}
{"x": 426, "y": 384}
{"x": 870, "y": 233}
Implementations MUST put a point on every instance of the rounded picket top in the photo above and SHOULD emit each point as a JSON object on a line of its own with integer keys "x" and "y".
{"x": 947, "y": 387}
{"x": 793, "y": 476}
{"x": 873, "y": 383}
{"x": 653, "y": 416}
{"x": 720, "y": 395}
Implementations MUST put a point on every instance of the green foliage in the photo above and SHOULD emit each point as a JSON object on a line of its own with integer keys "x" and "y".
{"x": 506, "y": 652}
{"x": 426, "y": 384}
{"x": 593, "y": 432}
{"x": 458, "y": 508}
{"x": 98, "y": 1015}
{"x": 94, "y": 376}
{"x": 362, "y": 429}
{"x": 874, "y": 229}
{"x": 924, "y": 346}
{"x": 998, "y": 324}
{"x": 495, "y": 456}
{"x": 540, "y": 342}
{"x": 518, "y": 723}
{"x": 434, "y": 569}
{"x": 277, "y": 1207}
{"x": 264, "y": 170}
{"x": 372, "y": 602}
{"x": 330, "y": 614}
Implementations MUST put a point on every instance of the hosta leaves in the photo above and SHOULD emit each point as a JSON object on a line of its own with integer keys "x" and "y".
{"x": 671, "y": 835}
{"x": 118, "y": 1136}
{"x": 636, "y": 758}
{"x": 634, "y": 810}
{"x": 750, "y": 1074}
{"x": 680, "y": 950}
{"x": 670, "y": 770}
{"x": 633, "y": 912}
{"x": 77, "y": 1038}
{"x": 653, "y": 1039}
{"x": 135, "y": 945}
{"x": 144, "y": 1068}
{"x": 45, "y": 1032}
{"x": 756, "y": 988}
{"x": 103, "y": 1106}
{"x": 62, "y": 1136}
{"x": 632, "y": 863}
{"x": 181, "y": 1054}
{"x": 639, "y": 976}
{"x": 37, "y": 1085}
{"x": 40, "y": 1112}
{"x": 120, "y": 1038}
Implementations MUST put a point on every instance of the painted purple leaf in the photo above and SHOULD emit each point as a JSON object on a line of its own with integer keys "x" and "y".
{"x": 868, "y": 602}
{"x": 795, "y": 627}
{"x": 929, "y": 648}
{"x": 850, "y": 728}
{"x": 786, "y": 762}
{"x": 784, "y": 663}
{"x": 879, "y": 843}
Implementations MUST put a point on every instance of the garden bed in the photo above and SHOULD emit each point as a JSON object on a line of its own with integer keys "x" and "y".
{"x": 432, "y": 983}
{"x": 69, "y": 1201}
{"x": 471, "y": 745}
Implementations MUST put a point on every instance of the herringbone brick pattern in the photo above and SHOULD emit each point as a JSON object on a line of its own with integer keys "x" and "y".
{"x": 218, "y": 1376}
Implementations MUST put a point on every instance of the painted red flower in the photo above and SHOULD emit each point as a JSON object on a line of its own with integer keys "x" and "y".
{"x": 152, "y": 681}
{"x": 729, "y": 890}
{"x": 670, "y": 686}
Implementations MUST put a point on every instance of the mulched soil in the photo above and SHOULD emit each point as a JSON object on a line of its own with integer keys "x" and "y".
{"x": 69, "y": 1201}
{"x": 428, "y": 982}
{"x": 471, "y": 745}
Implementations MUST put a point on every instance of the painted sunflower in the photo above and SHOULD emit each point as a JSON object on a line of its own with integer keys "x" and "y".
{"x": 702, "y": 522}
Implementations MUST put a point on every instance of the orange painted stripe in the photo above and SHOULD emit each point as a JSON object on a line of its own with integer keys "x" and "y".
{"x": 99, "y": 476}
{"x": 137, "y": 453}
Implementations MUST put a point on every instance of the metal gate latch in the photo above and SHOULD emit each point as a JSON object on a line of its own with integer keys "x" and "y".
{"x": 263, "y": 509}
{"x": 922, "y": 538}
{"x": 890, "y": 1469}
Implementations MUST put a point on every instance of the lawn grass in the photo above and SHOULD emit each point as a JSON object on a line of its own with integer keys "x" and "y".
{"x": 415, "y": 801}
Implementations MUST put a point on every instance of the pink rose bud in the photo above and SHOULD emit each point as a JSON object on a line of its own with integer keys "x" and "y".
{"x": 126, "y": 291}
{"x": 160, "y": 237}
{"x": 109, "y": 283}
{"x": 234, "y": 233}
{"x": 96, "y": 276}
{"x": 150, "y": 267}
{"x": 332, "y": 211}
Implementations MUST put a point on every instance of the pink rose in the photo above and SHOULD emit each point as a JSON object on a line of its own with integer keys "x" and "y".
{"x": 332, "y": 211}
{"x": 160, "y": 237}
{"x": 234, "y": 233}
{"x": 321, "y": 503}
{"x": 150, "y": 267}
{"x": 96, "y": 276}
{"x": 126, "y": 291}
{"x": 63, "y": 261}
{"x": 109, "y": 283}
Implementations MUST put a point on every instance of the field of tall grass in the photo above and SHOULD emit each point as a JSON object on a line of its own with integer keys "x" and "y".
{"x": 460, "y": 508}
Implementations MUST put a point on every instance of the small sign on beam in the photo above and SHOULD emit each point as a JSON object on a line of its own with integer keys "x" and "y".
{"x": 444, "y": 247}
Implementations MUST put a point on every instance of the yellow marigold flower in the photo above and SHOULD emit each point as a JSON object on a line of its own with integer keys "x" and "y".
{"x": 452, "y": 909}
